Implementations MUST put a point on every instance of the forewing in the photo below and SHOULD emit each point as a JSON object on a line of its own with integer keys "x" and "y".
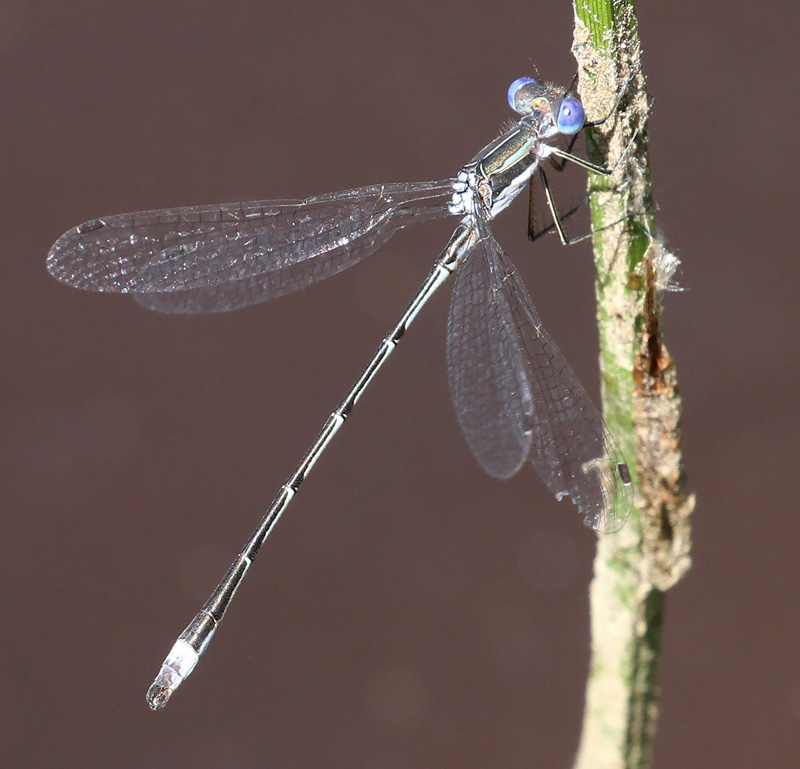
{"x": 486, "y": 367}
{"x": 203, "y": 247}
{"x": 236, "y": 294}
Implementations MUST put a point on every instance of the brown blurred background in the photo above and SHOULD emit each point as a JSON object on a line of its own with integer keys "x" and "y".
{"x": 409, "y": 611}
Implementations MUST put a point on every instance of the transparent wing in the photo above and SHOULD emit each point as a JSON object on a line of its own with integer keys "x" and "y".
{"x": 486, "y": 368}
{"x": 236, "y": 294}
{"x": 572, "y": 450}
{"x": 255, "y": 250}
{"x": 570, "y": 446}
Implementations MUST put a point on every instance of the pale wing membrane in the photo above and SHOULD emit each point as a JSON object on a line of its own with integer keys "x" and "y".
{"x": 486, "y": 368}
{"x": 248, "y": 291}
{"x": 572, "y": 449}
{"x": 197, "y": 248}
{"x": 244, "y": 292}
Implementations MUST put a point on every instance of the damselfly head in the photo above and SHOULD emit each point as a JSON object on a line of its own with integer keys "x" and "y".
{"x": 547, "y": 103}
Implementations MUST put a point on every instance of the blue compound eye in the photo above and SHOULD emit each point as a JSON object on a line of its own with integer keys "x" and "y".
{"x": 571, "y": 116}
{"x": 514, "y": 88}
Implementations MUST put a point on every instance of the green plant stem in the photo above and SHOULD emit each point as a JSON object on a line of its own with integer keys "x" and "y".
{"x": 634, "y": 567}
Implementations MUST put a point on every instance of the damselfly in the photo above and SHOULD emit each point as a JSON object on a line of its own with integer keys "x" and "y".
{"x": 515, "y": 395}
